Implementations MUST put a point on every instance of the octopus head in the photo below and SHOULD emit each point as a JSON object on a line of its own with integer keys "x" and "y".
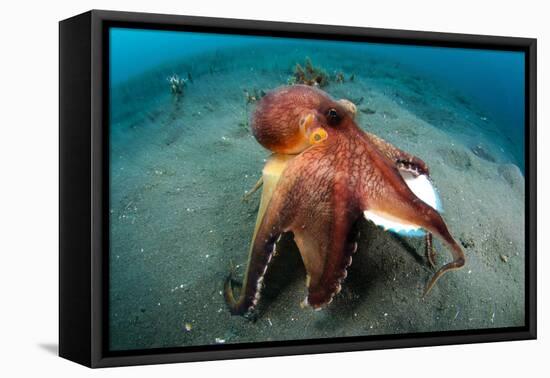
{"x": 290, "y": 119}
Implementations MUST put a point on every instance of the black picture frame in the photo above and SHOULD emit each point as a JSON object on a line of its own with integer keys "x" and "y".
{"x": 84, "y": 187}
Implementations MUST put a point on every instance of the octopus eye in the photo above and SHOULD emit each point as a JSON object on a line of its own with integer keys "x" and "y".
{"x": 333, "y": 117}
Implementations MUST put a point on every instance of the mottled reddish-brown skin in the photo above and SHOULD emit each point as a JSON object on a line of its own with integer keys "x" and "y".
{"x": 325, "y": 189}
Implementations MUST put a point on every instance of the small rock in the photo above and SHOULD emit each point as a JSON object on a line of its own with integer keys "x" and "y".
{"x": 483, "y": 152}
{"x": 504, "y": 258}
{"x": 513, "y": 176}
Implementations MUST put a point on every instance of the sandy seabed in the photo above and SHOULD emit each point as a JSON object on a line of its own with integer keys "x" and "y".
{"x": 179, "y": 170}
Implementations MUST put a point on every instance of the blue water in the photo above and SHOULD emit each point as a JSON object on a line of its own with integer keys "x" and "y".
{"x": 494, "y": 79}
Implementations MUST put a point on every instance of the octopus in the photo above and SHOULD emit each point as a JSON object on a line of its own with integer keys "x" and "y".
{"x": 323, "y": 176}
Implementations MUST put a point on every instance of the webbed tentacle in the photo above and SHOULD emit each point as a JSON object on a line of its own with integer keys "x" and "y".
{"x": 323, "y": 215}
{"x": 266, "y": 232}
{"x": 408, "y": 164}
{"x": 396, "y": 202}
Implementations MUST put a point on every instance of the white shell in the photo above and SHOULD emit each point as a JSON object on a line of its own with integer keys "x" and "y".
{"x": 423, "y": 188}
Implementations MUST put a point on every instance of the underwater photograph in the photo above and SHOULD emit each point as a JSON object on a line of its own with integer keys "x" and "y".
{"x": 269, "y": 189}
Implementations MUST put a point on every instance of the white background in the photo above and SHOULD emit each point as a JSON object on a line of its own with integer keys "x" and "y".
{"x": 29, "y": 185}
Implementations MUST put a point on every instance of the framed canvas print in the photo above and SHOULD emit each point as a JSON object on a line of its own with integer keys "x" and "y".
{"x": 234, "y": 188}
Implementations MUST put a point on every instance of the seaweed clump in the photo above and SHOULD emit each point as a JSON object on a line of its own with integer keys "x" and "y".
{"x": 309, "y": 75}
{"x": 253, "y": 96}
{"x": 177, "y": 85}
{"x": 250, "y": 97}
{"x": 340, "y": 78}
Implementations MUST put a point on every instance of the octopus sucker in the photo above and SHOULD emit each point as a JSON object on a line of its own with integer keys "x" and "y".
{"x": 323, "y": 175}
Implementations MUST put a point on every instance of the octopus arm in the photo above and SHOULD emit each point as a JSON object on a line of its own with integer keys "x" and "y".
{"x": 323, "y": 219}
{"x": 326, "y": 257}
{"x": 415, "y": 172}
{"x": 401, "y": 159}
{"x": 270, "y": 225}
{"x": 388, "y": 199}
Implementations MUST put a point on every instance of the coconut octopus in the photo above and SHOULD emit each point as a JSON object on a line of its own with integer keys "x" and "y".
{"x": 324, "y": 174}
